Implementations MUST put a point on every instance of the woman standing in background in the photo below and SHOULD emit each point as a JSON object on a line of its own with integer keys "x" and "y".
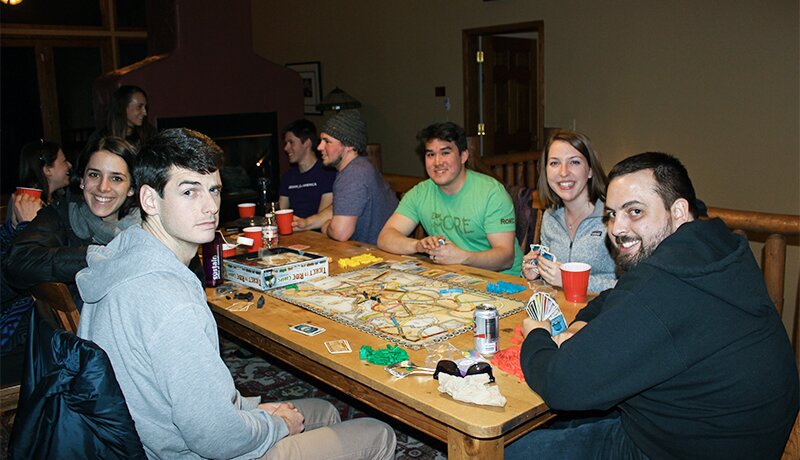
{"x": 126, "y": 118}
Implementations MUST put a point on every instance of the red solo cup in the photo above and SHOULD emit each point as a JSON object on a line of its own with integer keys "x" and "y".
{"x": 254, "y": 233}
{"x": 284, "y": 218}
{"x": 247, "y": 210}
{"x": 34, "y": 192}
{"x": 575, "y": 278}
{"x": 228, "y": 250}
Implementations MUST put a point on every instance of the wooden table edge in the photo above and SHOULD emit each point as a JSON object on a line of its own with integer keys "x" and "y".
{"x": 236, "y": 327}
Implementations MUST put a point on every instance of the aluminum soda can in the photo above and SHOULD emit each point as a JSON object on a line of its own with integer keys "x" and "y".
{"x": 487, "y": 330}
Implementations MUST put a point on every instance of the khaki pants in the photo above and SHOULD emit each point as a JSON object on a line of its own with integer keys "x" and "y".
{"x": 327, "y": 437}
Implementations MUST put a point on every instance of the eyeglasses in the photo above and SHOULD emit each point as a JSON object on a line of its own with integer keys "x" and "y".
{"x": 451, "y": 368}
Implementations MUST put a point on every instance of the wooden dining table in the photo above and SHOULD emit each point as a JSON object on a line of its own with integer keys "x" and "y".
{"x": 469, "y": 430}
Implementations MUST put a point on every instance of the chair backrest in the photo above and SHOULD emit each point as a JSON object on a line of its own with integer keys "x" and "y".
{"x": 9, "y": 398}
{"x": 519, "y": 168}
{"x": 54, "y": 301}
{"x": 373, "y": 154}
{"x": 71, "y": 405}
{"x": 536, "y": 202}
{"x": 400, "y": 185}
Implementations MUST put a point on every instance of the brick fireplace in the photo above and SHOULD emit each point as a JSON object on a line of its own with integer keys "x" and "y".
{"x": 203, "y": 74}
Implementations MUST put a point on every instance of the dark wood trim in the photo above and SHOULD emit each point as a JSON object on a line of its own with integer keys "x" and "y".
{"x": 506, "y": 28}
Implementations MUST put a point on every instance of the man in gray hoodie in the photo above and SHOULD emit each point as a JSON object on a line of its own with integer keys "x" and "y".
{"x": 148, "y": 311}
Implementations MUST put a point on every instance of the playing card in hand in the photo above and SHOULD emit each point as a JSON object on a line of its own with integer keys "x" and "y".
{"x": 542, "y": 307}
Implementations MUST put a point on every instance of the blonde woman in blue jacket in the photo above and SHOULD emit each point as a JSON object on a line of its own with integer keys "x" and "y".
{"x": 572, "y": 184}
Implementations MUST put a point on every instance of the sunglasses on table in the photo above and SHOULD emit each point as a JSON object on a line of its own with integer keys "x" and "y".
{"x": 448, "y": 367}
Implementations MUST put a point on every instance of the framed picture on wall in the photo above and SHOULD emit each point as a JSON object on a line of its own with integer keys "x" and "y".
{"x": 312, "y": 85}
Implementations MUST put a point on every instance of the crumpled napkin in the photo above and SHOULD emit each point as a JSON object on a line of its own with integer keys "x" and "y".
{"x": 472, "y": 389}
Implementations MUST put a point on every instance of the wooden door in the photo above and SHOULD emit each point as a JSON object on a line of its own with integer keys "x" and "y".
{"x": 510, "y": 97}
{"x": 503, "y": 87}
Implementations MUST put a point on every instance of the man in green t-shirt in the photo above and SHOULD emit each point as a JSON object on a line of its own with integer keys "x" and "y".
{"x": 469, "y": 216}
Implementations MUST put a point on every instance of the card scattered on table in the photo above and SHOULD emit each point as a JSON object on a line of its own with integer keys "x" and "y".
{"x": 239, "y": 306}
{"x": 299, "y": 247}
{"x": 338, "y": 346}
{"x": 307, "y": 329}
{"x": 542, "y": 307}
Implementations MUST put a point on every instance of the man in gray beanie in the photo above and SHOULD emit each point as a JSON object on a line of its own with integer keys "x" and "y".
{"x": 362, "y": 200}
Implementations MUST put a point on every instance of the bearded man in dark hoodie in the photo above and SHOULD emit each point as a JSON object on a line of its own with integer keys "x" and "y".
{"x": 685, "y": 358}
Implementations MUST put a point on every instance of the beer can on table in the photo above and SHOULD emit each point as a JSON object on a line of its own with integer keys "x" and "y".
{"x": 487, "y": 330}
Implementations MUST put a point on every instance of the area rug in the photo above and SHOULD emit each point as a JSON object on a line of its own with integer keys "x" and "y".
{"x": 255, "y": 375}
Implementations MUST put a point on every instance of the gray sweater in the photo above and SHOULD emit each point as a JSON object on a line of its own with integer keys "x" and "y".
{"x": 589, "y": 245}
{"x": 148, "y": 312}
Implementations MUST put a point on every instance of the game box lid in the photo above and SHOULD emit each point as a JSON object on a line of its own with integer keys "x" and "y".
{"x": 277, "y": 267}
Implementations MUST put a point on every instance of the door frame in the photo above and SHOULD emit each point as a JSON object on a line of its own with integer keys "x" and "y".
{"x": 471, "y": 101}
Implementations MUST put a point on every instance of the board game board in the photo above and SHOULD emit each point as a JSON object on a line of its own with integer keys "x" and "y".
{"x": 405, "y": 308}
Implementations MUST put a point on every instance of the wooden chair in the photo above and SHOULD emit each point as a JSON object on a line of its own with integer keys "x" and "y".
{"x": 9, "y": 398}
{"x": 520, "y": 168}
{"x": 539, "y": 207}
{"x": 373, "y": 153}
{"x": 511, "y": 168}
{"x": 400, "y": 185}
{"x": 54, "y": 302}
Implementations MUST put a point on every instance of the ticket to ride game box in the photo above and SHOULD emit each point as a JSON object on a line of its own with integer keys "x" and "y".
{"x": 271, "y": 268}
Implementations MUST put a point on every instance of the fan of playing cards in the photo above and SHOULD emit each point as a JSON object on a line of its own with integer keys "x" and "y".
{"x": 543, "y": 251}
{"x": 542, "y": 307}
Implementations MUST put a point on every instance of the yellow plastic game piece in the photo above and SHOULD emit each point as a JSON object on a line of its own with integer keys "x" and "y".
{"x": 359, "y": 260}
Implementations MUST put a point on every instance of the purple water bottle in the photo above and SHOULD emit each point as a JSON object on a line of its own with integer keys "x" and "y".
{"x": 212, "y": 261}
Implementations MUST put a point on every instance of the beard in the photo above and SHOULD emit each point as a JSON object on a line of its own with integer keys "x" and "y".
{"x": 335, "y": 163}
{"x": 626, "y": 262}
